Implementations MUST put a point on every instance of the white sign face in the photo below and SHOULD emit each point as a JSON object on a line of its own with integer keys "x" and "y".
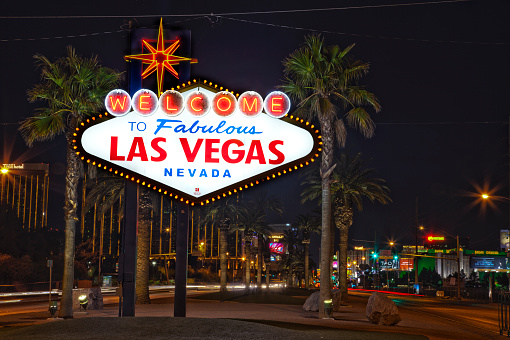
{"x": 197, "y": 157}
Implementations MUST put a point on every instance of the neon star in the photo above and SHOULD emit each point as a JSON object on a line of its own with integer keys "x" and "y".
{"x": 159, "y": 58}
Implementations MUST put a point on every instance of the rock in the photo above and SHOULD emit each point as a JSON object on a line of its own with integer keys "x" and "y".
{"x": 312, "y": 303}
{"x": 382, "y": 310}
{"x": 94, "y": 296}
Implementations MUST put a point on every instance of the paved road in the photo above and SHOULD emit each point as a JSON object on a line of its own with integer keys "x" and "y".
{"x": 437, "y": 319}
{"x": 480, "y": 318}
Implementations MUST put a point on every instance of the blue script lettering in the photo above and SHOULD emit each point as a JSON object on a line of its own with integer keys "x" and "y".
{"x": 194, "y": 128}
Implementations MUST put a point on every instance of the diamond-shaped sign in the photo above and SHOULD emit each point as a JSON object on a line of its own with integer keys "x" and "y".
{"x": 207, "y": 151}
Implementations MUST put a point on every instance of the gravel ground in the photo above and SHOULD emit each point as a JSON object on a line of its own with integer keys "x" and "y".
{"x": 182, "y": 328}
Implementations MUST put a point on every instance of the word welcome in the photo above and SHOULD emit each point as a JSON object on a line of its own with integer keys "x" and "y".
{"x": 172, "y": 103}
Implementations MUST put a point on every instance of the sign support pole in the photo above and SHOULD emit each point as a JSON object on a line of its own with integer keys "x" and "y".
{"x": 127, "y": 265}
{"x": 181, "y": 263}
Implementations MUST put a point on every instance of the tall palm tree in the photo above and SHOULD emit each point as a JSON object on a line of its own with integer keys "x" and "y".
{"x": 320, "y": 77}
{"x": 253, "y": 223}
{"x": 352, "y": 182}
{"x": 145, "y": 215}
{"x": 308, "y": 225}
{"x": 72, "y": 89}
{"x": 224, "y": 213}
{"x": 290, "y": 239}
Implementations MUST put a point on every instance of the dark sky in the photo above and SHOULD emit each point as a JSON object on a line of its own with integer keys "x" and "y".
{"x": 440, "y": 70}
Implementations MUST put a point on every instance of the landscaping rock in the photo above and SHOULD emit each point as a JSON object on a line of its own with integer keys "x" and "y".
{"x": 382, "y": 310}
{"x": 312, "y": 303}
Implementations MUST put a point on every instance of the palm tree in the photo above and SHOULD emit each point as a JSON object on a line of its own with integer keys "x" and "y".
{"x": 252, "y": 223}
{"x": 352, "y": 182}
{"x": 290, "y": 239}
{"x": 319, "y": 77}
{"x": 223, "y": 212}
{"x": 308, "y": 225}
{"x": 72, "y": 88}
{"x": 145, "y": 214}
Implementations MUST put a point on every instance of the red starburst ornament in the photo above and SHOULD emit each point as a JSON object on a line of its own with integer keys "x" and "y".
{"x": 160, "y": 58}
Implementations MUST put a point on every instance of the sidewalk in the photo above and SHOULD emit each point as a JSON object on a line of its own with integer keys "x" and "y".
{"x": 213, "y": 319}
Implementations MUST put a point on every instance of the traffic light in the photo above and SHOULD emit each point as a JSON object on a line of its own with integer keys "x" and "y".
{"x": 395, "y": 257}
{"x": 375, "y": 255}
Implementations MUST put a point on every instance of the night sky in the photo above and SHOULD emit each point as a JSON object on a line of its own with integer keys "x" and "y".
{"x": 439, "y": 70}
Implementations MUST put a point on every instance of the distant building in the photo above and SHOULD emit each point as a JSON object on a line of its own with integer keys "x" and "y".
{"x": 24, "y": 193}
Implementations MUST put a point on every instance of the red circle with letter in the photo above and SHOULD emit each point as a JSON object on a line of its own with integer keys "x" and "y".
{"x": 224, "y": 103}
{"x": 117, "y": 102}
{"x": 145, "y": 102}
{"x": 171, "y": 103}
{"x": 250, "y": 103}
{"x": 198, "y": 104}
{"x": 277, "y": 104}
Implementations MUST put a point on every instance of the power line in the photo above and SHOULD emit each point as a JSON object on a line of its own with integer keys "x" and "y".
{"x": 231, "y": 13}
{"x": 365, "y": 35}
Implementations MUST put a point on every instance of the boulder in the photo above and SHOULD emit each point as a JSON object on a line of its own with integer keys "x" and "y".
{"x": 382, "y": 310}
{"x": 312, "y": 303}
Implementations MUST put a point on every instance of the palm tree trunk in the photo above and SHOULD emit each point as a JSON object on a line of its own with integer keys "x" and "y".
{"x": 259, "y": 262}
{"x": 289, "y": 276}
{"x": 307, "y": 263}
{"x": 342, "y": 261}
{"x": 223, "y": 259}
{"x": 143, "y": 249}
{"x": 343, "y": 220}
{"x": 268, "y": 266}
{"x": 247, "y": 271}
{"x": 71, "y": 204}
{"x": 328, "y": 134}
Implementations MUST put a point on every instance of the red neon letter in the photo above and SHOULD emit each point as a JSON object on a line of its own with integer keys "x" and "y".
{"x": 117, "y": 102}
{"x": 246, "y": 108}
{"x": 209, "y": 150}
{"x": 226, "y": 107}
{"x": 158, "y": 149}
{"x": 137, "y": 145}
{"x": 259, "y": 154}
{"x": 277, "y": 104}
{"x": 192, "y": 105}
{"x": 113, "y": 150}
{"x": 280, "y": 157}
{"x": 238, "y": 153}
{"x": 141, "y": 102}
{"x": 190, "y": 155}
{"x": 169, "y": 104}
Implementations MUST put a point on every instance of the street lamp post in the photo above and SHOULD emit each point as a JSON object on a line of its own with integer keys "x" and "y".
{"x": 487, "y": 197}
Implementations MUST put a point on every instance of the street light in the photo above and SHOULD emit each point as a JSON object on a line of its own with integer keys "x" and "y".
{"x": 486, "y": 197}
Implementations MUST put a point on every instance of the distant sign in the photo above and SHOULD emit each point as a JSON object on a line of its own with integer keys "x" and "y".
{"x": 388, "y": 264}
{"x": 406, "y": 264}
{"x": 276, "y": 248}
{"x": 492, "y": 262}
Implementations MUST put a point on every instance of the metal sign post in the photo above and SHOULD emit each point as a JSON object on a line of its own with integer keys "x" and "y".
{"x": 181, "y": 263}
{"x": 50, "y": 265}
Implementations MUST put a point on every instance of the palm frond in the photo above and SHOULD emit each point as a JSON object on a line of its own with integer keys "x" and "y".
{"x": 41, "y": 128}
